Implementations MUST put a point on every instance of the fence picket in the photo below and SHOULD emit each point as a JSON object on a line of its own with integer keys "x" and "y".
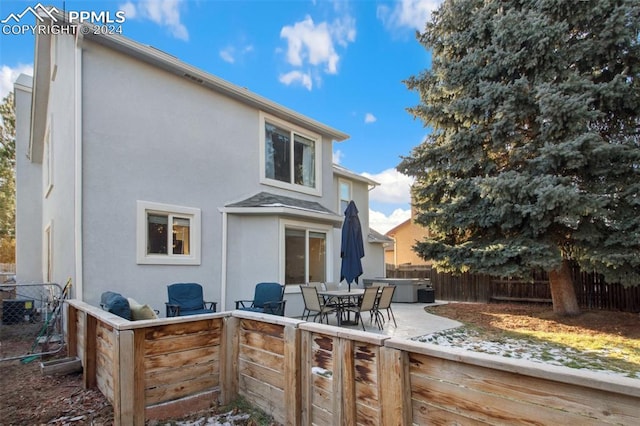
{"x": 591, "y": 289}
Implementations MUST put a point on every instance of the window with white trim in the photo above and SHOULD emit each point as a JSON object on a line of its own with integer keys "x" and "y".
{"x": 305, "y": 253}
{"x": 290, "y": 156}
{"x": 344, "y": 194}
{"x": 167, "y": 234}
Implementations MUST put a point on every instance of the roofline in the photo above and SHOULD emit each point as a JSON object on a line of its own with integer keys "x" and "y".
{"x": 341, "y": 171}
{"x": 395, "y": 228}
{"x": 285, "y": 211}
{"x": 172, "y": 64}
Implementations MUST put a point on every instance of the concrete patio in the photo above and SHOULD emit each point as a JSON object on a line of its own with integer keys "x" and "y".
{"x": 412, "y": 321}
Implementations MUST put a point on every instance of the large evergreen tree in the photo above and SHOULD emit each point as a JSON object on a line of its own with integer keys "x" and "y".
{"x": 534, "y": 156}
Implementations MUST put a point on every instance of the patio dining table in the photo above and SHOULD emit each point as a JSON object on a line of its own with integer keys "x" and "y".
{"x": 342, "y": 299}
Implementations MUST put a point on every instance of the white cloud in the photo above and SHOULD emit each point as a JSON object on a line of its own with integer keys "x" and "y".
{"x": 230, "y": 53}
{"x": 310, "y": 43}
{"x": 383, "y": 223}
{"x": 227, "y": 55}
{"x": 9, "y": 75}
{"x": 314, "y": 45}
{"x": 165, "y": 13}
{"x": 129, "y": 10}
{"x": 337, "y": 156}
{"x": 408, "y": 13}
{"x": 370, "y": 118}
{"x": 394, "y": 187}
{"x": 297, "y": 77}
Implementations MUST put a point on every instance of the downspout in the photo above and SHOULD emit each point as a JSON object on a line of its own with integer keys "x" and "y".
{"x": 223, "y": 266}
{"x": 395, "y": 253}
{"x": 78, "y": 284}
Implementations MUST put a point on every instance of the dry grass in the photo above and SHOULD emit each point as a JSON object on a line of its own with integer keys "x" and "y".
{"x": 596, "y": 340}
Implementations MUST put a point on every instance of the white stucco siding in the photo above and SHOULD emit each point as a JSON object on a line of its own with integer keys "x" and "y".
{"x": 58, "y": 174}
{"x": 149, "y": 135}
{"x": 28, "y": 194}
{"x": 373, "y": 261}
{"x": 253, "y": 255}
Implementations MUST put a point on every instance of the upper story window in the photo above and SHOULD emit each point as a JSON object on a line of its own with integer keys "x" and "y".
{"x": 291, "y": 157}
{"x": 168, "y": 234}
{"x": 344, "y": 194}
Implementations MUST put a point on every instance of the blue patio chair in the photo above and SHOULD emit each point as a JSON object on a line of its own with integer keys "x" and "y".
{"x": 187, "y": 299}
{"x": 268, "y": 298}
{"x": 116, "y": 304}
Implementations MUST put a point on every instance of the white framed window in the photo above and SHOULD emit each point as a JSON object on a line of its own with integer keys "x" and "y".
{"x": 305, "y": 253}
{"x": 48, "y": 161}
{"x": 290, "y": 157}
{"x": 344, "y": 195}
{"x": 167, "y": 234}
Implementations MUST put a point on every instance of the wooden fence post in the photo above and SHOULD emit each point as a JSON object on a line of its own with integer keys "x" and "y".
{"x": 71, "y": 332}
{"x": 89, "y": 378}
{"x": 229, "y": 360}
{"x": 395, "y": 387}
{"x": 292, "y": 394}
{"x": 123, "y": 379}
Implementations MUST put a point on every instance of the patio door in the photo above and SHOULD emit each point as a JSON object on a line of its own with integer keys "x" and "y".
{"x": 305, "y": 254}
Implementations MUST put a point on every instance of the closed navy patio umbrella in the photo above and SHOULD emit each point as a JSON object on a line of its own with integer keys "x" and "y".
{"x": 352, "y": 248}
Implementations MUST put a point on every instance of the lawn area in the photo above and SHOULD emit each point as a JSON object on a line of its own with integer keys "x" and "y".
{"x": 602, "y": 341}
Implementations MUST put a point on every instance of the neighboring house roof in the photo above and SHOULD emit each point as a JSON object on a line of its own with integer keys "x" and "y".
{"x": 341, "y": 171}
{"x": 376, "y": 237}
{"x": 171, "y": 64}
{"x": 397, "y": 227}
{"x": 267, "y": 203}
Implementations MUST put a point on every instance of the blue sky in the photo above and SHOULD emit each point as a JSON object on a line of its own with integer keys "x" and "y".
{"x": 339, "y": 62}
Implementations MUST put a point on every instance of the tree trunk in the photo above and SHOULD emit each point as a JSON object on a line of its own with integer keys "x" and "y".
{"x": 563, "y": 293}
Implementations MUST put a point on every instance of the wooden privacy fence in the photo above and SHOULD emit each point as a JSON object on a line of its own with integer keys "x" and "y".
{"x": 591, "y": 289}
{"x": 305, "y": 373}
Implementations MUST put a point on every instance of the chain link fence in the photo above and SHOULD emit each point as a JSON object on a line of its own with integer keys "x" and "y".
{"x": 30, "y": 320}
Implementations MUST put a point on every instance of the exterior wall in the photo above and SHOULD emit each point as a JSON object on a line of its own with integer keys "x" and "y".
{"x": 149, "y": 135}
{"x": 59, "y": 200}
{"x": 175, "y": 146}
{"x": 28, "y": 194}
{"x": 405, "y": 236}
{"x": 373, "y": 260}
{"x": 181, "y": 145}
{"x": 253, "y": 256}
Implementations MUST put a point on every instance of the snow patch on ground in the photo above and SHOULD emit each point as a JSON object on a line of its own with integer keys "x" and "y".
{"x": 547, "y": 353}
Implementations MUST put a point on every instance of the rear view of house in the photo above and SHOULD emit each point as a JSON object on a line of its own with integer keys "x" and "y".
{"x": 136, "y": 170}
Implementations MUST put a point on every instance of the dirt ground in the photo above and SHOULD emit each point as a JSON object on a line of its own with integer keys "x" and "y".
{"x": 29, "y": 398}
{"x": 514, "y": 317}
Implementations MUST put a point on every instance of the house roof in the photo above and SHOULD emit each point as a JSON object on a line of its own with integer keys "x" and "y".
{"x": 397, "y": 227}
{"x": 341, "y": 171}
{"x": 159, "y": 59}
{"x": 268, "y": 203}
{"x": 376, "y": 237}
{"x": 173, "y": 65}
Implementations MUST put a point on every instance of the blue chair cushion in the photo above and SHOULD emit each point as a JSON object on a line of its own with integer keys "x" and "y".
{"x": 116, "y": 304}
{"x": 266, "y": 292}
{"x": 187, "y": 295}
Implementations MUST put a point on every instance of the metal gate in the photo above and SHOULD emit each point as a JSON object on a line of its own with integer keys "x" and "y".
{"x": 31, "y": 320}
